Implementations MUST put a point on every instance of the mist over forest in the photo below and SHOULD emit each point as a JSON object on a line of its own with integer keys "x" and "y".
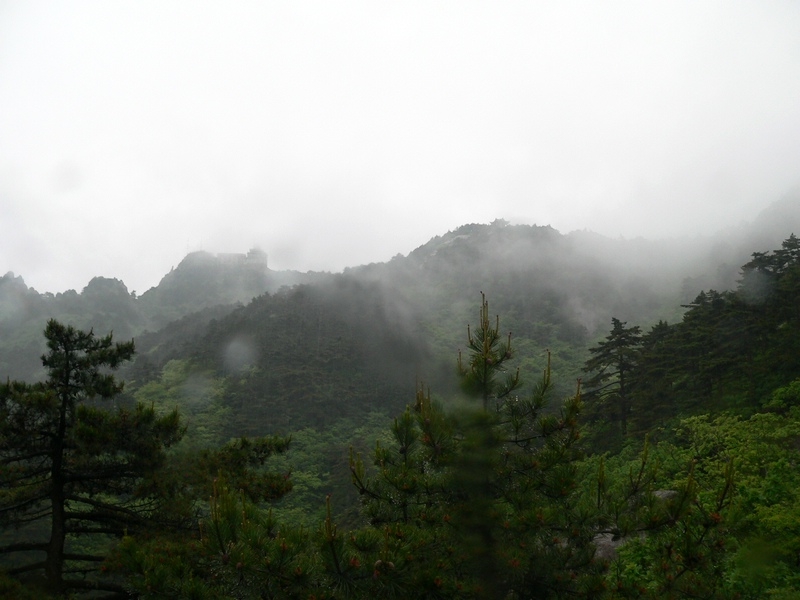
{"x": 243, "y": 351}
{"x": 438, "y": 301}
{"x": 551, "y": 285}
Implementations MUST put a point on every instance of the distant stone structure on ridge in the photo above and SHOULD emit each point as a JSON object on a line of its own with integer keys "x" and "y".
{"x": 254, "y": 257}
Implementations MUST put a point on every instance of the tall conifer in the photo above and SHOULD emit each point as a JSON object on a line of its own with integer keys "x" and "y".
{"x": 73, "y": 465}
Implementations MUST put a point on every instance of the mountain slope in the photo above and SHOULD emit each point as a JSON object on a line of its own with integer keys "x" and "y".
{"x": 553, "y": 290}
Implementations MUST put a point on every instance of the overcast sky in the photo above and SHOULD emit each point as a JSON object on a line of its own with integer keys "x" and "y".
{"x": 332, "y": 134}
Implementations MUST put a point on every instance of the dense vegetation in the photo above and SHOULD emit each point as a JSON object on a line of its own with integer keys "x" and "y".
{"x": 730, "y": 351}
{"x": 669, "y": 472}
{"x": 72, "y": 468}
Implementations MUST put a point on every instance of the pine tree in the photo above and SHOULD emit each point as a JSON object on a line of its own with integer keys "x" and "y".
{"x": 770, "y": 286}
{"x": 487, "y": 357}
{"x": 485, "y": 499}
{"x": 609, "y": 390}
{"x": 488, "y": 499}
{"x": 72, "y": 464}
{"x": 654, "y": 403}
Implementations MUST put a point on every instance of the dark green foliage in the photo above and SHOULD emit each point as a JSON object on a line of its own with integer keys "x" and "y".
{"x": 729, "y": 352}
{"x": 201, "y": 282}
{"x": 770, "y": 285}
{"x": 653, "y": 397}
{"x": 487, "y": 358}
{"x": 71, "y": 464}
{"x": 241, "y": 462}
{"x": 485, "y": 499}
{"x": 103, "y": 304}
{"x": 498, "y": 502}
{"x": 388, "y": 323}
{"x": 485, "y": 496}
{"x": 474, "y": 503}
{"x": 610, "y": 387}
{"x": 293, "y": 359}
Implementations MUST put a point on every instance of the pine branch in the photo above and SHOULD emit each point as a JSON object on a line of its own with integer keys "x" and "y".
{"x": 22, "y": 505}
{"x": 84, "y": 557}
{"x": 26, "y": 568}
{"x": 25, "y": 457}
{"x": 23, "y": 547}
{"x": 116, "y": 531}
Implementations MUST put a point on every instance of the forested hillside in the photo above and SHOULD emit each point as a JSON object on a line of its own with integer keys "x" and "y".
{"x": 200, "y": 282}
{"x": 666, "y": 470}
{"x": 671, "y": 474}
{"x": 553, "y": 287}
{"x": 729, "y": 352}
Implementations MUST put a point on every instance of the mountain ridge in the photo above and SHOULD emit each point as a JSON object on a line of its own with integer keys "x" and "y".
{"x": 551, "y": 285}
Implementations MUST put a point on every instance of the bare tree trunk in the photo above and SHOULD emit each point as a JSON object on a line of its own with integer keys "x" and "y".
{"x": 54, "y": 564}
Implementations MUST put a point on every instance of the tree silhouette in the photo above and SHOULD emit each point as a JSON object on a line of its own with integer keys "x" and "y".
{"x": 609, "y": 391}
{"x": 73, "y": 465}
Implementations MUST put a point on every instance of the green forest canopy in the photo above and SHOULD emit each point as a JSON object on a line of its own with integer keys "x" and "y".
{"x": 678, "y": 482}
